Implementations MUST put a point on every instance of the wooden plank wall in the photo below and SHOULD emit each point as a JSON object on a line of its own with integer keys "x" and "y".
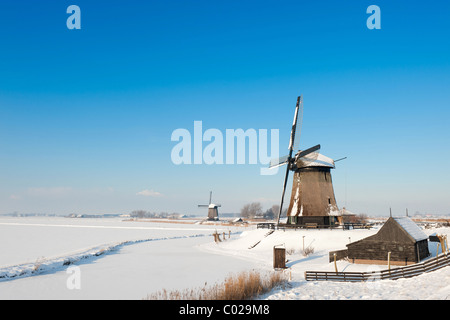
{"x": 377, "y": 250}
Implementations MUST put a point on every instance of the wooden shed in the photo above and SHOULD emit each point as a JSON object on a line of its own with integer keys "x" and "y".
{"x": 407, "y": 243}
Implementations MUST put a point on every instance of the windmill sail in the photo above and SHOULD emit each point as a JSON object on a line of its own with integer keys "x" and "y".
{"x": 208, "y": 205}
{"x": 294, "y": 132}
{"x": 309, "y": 154}
{"x": 298, "y": 130}
{"x": 278, "y": 162}
{"x": 291, "y": 148}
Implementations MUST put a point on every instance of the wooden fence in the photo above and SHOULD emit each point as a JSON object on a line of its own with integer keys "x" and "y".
{"x": 345, "y": 226}
{"x": 442, "y": 260}
{"x": 295, "y": 226}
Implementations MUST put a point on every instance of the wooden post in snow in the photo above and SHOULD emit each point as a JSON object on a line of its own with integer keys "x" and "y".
{"x": 389, "y": 261}
{"x": 335, "y": 266}
{"x": 442, "y": 239}
{"x": 216, "y": 236}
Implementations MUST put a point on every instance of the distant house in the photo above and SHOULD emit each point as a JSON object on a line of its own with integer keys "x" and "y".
{"x": 407, "y": 243}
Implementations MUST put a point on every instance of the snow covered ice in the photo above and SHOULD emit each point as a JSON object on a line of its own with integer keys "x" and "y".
{"x": 131, "y": 259}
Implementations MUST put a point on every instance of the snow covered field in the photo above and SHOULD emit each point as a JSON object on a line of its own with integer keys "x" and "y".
{"x": 118, "y": 259}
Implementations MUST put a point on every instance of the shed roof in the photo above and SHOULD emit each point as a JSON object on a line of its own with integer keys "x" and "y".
{"x": 400, "y": 230}
{"x": 411, "y": 228}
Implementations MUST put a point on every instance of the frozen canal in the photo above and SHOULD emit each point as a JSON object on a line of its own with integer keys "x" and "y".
{"x": 165, "y": 256}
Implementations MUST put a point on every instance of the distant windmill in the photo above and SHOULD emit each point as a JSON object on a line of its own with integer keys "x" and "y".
{"x": 312, "y": 197}
{"x": 213, "y": 213}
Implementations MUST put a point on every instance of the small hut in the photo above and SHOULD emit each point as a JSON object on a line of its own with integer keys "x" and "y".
{"x": 405, "y": 241}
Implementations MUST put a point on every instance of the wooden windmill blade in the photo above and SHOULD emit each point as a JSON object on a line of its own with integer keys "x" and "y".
{"x": 306, "y": 157}
{"x": 278, "y": 162}
{"x": 310, "y": 154}
{"x": 298, "y": 129}
{"x": 309, "y": 151}
{"x": 291, "y": 148}
{"x": 206, "y": 205}
{"x": 294, "y": 141}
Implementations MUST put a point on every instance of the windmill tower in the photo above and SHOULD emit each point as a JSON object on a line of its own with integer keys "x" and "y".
{"x": 213, "y": 213}
{"x": 312, "y": 197}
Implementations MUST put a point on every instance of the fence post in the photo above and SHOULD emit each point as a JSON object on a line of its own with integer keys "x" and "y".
{"x": 335, "y": 266}
{"x": 389, "y": 262}
{"x": 445, "y": 243}
{"x": 441, "y": 238}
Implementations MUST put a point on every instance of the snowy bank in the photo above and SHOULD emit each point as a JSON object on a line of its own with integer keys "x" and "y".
{"x": 433, "y": 285}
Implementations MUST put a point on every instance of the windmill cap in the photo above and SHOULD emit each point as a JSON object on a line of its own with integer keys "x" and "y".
{"x": 320, "y": 161}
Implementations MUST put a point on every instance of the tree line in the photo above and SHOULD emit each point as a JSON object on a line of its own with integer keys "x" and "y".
{"x": 255, "y": 210}
{"x": 249, "y": 211}
{"x": 148, "y": 214}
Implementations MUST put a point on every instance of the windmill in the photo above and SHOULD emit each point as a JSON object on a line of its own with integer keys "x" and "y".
{"x": 312, "y": 197}
{"x": 213, "y": 213}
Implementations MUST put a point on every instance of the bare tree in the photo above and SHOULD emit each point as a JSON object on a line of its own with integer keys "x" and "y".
{"x": 269, "y": 214}
{"x": 273, "y": 212}
{"x": 362, "y": 218}
{"x": 275, "y": 208}
{"x": 245, "y": 211}
{"x": 251, "y": 210}
{"x": 138, "y": 213}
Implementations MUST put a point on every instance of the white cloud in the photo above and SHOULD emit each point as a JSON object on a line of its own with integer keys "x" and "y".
{"x": 149, "y": 193}
{"x": 14, "y": 197}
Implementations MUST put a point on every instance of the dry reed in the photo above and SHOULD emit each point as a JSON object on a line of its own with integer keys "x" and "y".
{"x": 242, "y": 286}
{"x": 308, "y": 251}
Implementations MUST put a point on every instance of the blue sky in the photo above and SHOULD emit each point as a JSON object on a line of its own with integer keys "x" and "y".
{"x": 86, "y": 115}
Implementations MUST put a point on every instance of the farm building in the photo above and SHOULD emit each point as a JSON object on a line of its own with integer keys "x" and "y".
{"x": 405, "y": 241}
